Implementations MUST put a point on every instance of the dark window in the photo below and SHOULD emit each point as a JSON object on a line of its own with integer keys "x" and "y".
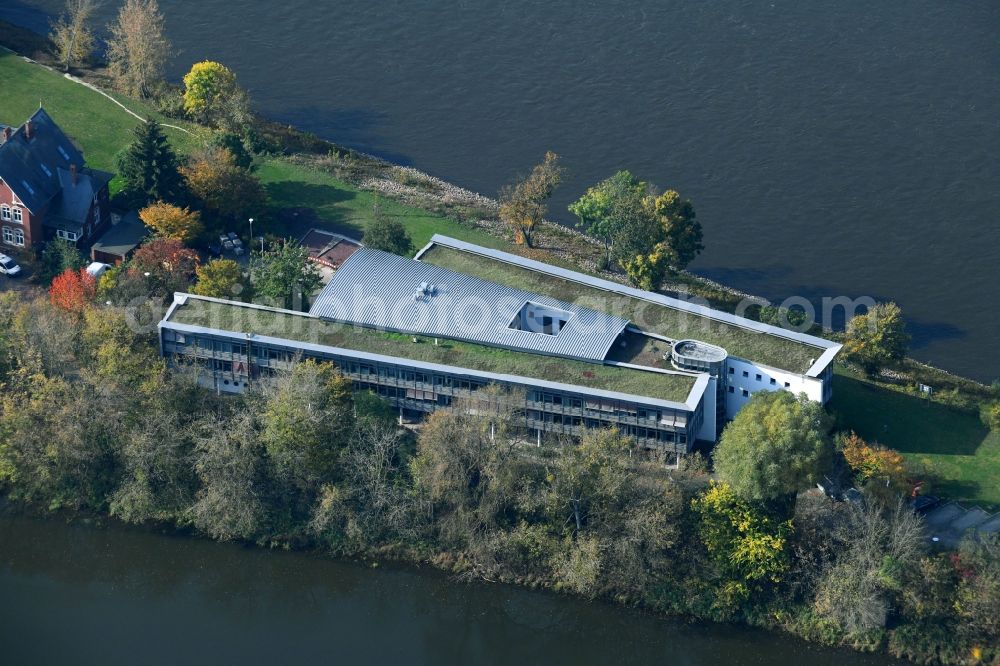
{"x": 746, "y": 374}
{"x": 746, "y": 393}
{"x": 773, "y": 381}
{"x": 732, "y": 389}
{"x": 787, "y": 384}
{"x": 732, "y": 371}
{"x": 758, "y": 377}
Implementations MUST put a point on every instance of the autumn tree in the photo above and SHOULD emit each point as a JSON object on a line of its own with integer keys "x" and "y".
{"x": 71, "y": 35}
{"x": 137, "y": 47}
{"x": 776, "y": 446}
{"x": 170, "y": 266}
{"x": 747, "y": 548}
{"x": 523, "y": 205}
{"x": 305, "y": 419}
{"x": 466, "y": 471}
{"x": 229, "y": 461}
{"x": 284, "y": 273}
{"x": 601, "y": 210}
{"x": 585, "y": 480}
{"x": 681, "y": 228}
{"x": 873, "y": 463}
{"x": 73, "y": 290}
{"x": 225, "y": 188}
{"x": 148, "y": 166}
{"x": 877, "y": 338}
{"x": 387, "y": 234}
{"x": 170, "y": 221}
{"x": 212, "y": 96}
{"x": 221, "y": 278}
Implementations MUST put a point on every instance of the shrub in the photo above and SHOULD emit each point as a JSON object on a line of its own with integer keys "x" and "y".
{"x": 990, "y": 414}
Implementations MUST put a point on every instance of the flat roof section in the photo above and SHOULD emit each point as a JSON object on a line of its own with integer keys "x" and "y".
{"x": 208, "y": 315}
{"x": 655, "y": 313}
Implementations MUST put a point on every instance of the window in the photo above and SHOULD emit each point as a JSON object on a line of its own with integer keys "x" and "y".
{"x": 773, "y": 381}
{"x": 732, "y": 389}
{"x": 787, "y": 384}
{"x": 746, "y": 393}
{"x": 746, "y": 374}
{"x": 758, "y": 376}
{"x": 13, "y": 236}
{"x": 732, "y": 371}
{"x": 4, "y": 212}
{"x": 45, "y": 170}
{"x": 17, "y": 215}
{"x": 68, "y": 235}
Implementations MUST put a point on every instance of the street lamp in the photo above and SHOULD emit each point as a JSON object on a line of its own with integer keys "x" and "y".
{"x": 250, "y": 244}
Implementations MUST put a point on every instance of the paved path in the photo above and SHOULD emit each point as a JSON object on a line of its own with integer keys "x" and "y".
{"x": 949, "y": 522}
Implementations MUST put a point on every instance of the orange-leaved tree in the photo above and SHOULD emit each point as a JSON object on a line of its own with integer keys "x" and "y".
{"x": 73, "y": 290}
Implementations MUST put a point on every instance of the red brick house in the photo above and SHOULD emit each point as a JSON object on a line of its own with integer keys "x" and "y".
{"x": 46, "y": 191}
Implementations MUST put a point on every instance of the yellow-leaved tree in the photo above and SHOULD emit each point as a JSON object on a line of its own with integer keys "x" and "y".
{"x": 170, "y": 221}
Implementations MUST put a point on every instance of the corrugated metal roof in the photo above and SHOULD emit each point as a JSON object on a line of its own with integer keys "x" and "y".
{"x": 380, "y": 290}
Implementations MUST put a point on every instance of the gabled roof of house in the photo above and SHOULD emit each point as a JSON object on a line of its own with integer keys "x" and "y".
{"x": 76, "y": 199}
{"x": 30, "y": 166}
{"x": 380, "y": 290}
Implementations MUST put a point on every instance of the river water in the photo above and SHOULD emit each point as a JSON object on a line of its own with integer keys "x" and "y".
{"x": 831, "y": 148}
{"x": 77, "y": 594}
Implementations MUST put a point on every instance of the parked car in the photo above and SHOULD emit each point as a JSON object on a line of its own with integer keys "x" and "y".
{"x": 8, "y": 266}
{"x": 97, "y": 269}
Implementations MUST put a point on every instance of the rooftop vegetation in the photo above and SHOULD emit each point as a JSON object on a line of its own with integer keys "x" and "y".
{"x": 770, "y": 350}
{"x": 234, "y": 317}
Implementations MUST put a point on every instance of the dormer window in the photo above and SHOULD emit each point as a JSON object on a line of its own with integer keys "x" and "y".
{"x": 45, "y": 170}
{"x": 63, "y": 153}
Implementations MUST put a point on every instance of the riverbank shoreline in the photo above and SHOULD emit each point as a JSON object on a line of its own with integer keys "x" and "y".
{"x": 452, "y": 206}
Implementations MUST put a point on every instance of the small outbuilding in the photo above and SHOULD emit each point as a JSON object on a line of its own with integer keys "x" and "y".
{"x": 120, "y": 241}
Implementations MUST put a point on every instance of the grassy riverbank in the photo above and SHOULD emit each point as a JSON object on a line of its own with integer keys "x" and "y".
{"x": 949, "y": 442}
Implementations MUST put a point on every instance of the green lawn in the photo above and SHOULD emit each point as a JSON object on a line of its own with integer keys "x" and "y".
{"x": 954, "y": 445}
{"x": 98, "y": 126}
{"x": 766, "y": 349}
{"x": 450, "y": 352}
{"x": 348, "y": 210}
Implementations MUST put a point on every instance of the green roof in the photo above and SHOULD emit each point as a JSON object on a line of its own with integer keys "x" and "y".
{"x": 237, "y": 317}
{"x": 771, "y": 350}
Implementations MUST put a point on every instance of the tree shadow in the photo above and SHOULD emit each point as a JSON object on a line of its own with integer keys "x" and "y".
{"x": 906, "y": 423}
{"x": 299, "y": 206}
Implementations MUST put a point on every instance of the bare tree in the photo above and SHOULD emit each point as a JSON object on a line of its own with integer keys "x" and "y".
{"x": 71, "y": 34}
{"x": 137, "y": 49}
{"x": 877, "y": 543}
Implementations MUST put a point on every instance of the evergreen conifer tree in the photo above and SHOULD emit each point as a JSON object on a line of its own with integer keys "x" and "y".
{"x": 149, "y": 167}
